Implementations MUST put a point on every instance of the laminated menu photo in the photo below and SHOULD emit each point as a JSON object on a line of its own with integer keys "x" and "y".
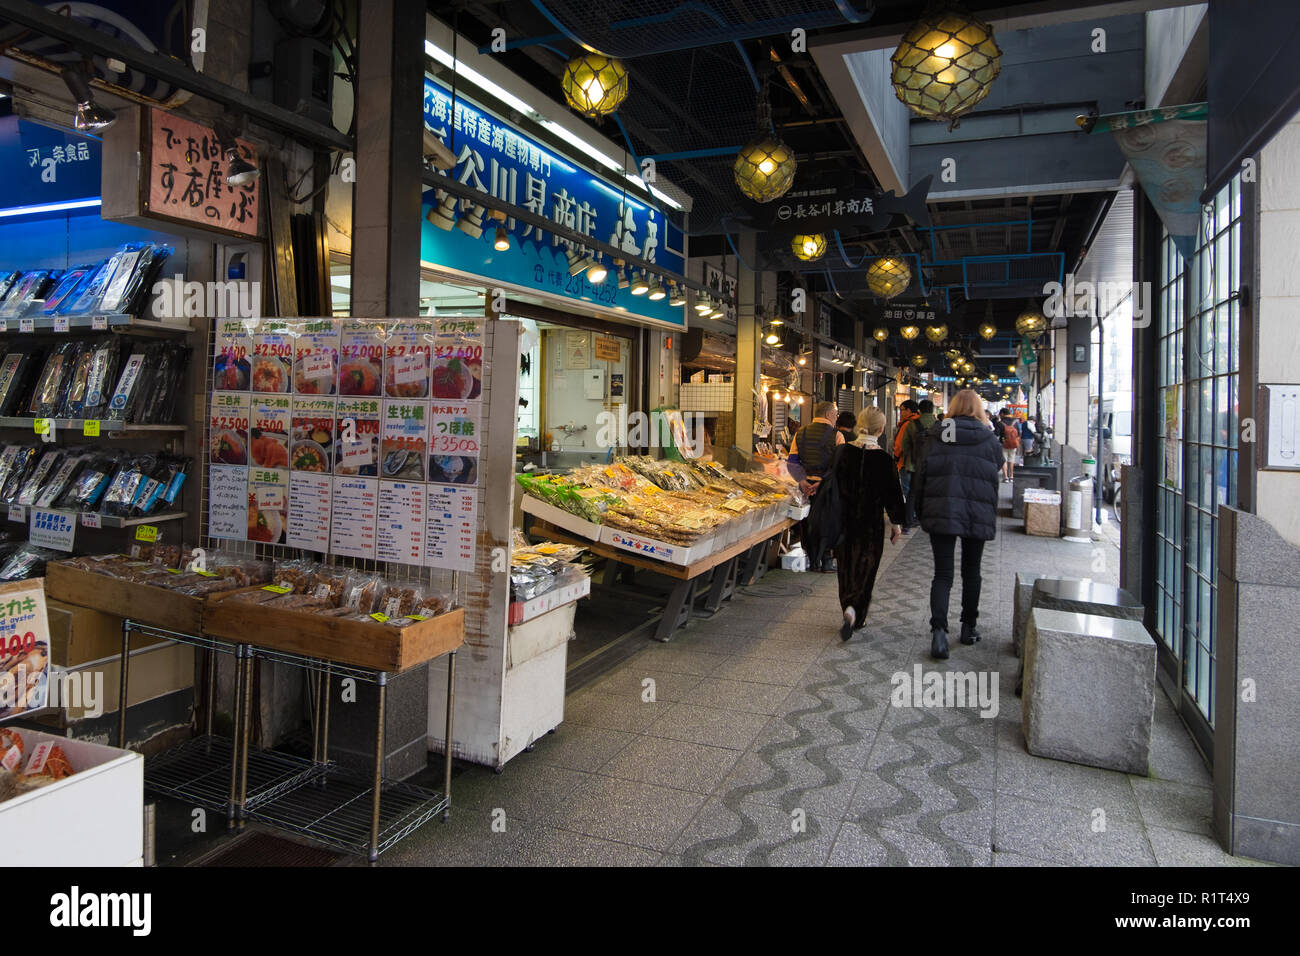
{"x": 268, "y": 504}
{"x": 272, "y": 358}
{"x": 268, "y": 435}
{"x": 361, "y": 359}
{"x": 316, "y": 359}
{"x": 228, "y": 428}
{"x": 356, "y": 437}
{"x": 313, "y": 436}
{"x": 232, "y": 369}
{"x": 406, "y": 360}
{"x": 457, "y": 360}
{"x": 405, "y": 440}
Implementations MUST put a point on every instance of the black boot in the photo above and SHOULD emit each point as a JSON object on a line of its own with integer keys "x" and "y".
{"x": 939, "y": 644}
{"x": 968, "y": 634}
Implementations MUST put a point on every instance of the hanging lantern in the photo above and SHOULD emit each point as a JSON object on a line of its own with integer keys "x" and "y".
{"x": 953, "y": 354}
{"x": 909, "y": 332}
{"x": 968, "y": 368}
{"x": 880, "y": 334}
{"x": 945, "y": 64}
{"x": 594, "y": 85}
{"x": 888, "y": 276}
{"x": 918, "y": 360}
{"x": 936, "y": 333}
{"x": 1031, "y": 323}
{"x": 809, "y": 248}
{"x": 764, "y": 169}
{"x": 987, "y": 330}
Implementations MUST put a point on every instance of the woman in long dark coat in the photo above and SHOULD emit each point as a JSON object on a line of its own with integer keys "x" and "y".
{"x": 956, "y": 489}
{"x": 868, "y": 487}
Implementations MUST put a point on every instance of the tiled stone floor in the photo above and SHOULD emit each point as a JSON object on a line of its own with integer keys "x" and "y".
{"x": 769, "y": 742}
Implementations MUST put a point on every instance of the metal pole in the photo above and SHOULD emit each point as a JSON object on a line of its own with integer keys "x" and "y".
{"x": 1101, "y": 417}
{"x": 126, "y": 669}
{"x": 446, "y": 747}
{"x": 248, "y": 727}
{"x": 236, "y": 735}
{"x": 379, "y": 768}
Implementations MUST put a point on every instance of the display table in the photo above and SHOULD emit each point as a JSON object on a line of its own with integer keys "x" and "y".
{"x": 726, "y": 568}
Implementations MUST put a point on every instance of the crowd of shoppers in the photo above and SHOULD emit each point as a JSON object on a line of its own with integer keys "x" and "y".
{"x": 939, "y": 472}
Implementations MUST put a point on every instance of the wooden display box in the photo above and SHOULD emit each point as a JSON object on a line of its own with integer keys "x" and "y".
{"x": 1043, "y": 519}
{"x": 369, "y": 644}
{"x": 145, "y": 603}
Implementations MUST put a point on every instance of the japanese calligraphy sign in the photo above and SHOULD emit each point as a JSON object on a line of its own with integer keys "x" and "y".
{"x": 186, "y": 177}
{"x": 855, "y": 209}
{"x": 24, "y": 648}
{"x": 493, "y": 157}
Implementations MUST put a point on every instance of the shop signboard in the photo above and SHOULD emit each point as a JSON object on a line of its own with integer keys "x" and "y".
{"x": 494, "y": 157}
{"x": 24, "y": 651}
{"x": 40, "y": 165}
{"x": 186, "y": 178}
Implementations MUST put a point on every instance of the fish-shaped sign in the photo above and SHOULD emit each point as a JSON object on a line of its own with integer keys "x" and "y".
{"x": 819, "y": 208}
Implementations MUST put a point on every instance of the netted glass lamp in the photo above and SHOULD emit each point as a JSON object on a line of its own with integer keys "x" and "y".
{"x": 987, "y": 330}
{"x": 936, "y": 333}
{"x": 764, "y": 168}
{"x": 888, "y": 276}
{"x": 918, "y": 361}
{"x": 809, "y": 248}
{"x": 946, "y": 63}
{"x": 594, "y": 85}
{"x": 909, "y": 332}
{"x": 1031, "y": 323}
{"x": 880, "y": 334}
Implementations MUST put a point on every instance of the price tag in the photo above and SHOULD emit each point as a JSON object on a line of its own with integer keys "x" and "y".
{"x": 380, "y": 617}
{"x": 41, "y": 426}
{"x": 99, "y": 323}
{"x": 90, "y": 520}
{"x": 277, "y": 588}
{"x": 90, "y": 428}
{"x": 60, "y": 323}
{"x": 18, "y": 513}
{"x": 146, "y": 532}
{"x": 26, "y": 325}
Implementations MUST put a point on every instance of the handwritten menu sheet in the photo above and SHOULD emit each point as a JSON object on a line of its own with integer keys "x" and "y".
{"x": 351, "y": 437}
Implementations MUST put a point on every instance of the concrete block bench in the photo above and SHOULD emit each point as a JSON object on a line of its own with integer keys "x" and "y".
{"x": 1089, "y": 691}
{"x": 1083, "y": 596}
{"x": 1021, "y": 602}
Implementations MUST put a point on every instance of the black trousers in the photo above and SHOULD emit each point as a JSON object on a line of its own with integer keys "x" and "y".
{"x": 972, "y": 551}
{"x": 859, "y": 560}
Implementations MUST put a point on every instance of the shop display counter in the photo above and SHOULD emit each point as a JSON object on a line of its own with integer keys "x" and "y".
{"x": 741, "y": 562}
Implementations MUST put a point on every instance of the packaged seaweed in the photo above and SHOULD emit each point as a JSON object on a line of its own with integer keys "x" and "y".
{"x": 7, "y": 280}
{"x": 17, "y": 370}
{"x": 122, "y": 264}
{"x": 43, "y": 471}
{"x": 64, "y": 286}
{"x": 133, "y": 383}
{"x": 152, "y": 495}
{"x": 53, "y": 379}
{"x": 59, "y": 481}
{"x": 27, "y": 562}
{"x": 85, "y": 297}
{"x": 93, "y": 376}
{"x": 28, "y": 288}
{"x": 24, "y": 459}
{"x": 88, "y": 485}
{"x": 160, "y": 403}
{"x": 128, "y": 478}
{"x": 128, "y": 292}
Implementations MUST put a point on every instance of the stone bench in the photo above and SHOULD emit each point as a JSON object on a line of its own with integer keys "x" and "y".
{"x": 1089, "y": 692}
{"x": 1021, "y": 603}
{"x": 1083, "y": 596}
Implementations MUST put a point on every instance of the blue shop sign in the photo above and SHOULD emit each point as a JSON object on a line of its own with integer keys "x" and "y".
{"x": 40, "y": 165}
{"x": 494, "y": 157}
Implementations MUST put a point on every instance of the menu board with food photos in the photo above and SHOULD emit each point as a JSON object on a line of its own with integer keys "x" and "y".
{"x": 354, "y": 437}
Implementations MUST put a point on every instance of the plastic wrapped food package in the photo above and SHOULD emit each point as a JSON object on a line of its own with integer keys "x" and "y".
{"x": 18, "y": 371}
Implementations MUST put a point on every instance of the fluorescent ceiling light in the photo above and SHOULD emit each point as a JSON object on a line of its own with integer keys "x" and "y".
{"x": 478, "y": 79}
{"x": 50, "y": 207}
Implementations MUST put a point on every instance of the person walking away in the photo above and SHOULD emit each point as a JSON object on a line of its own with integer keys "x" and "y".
{"x": 845, "y": 425}
{"x": 808, "y": 462}
{"x": 957, "y": 497}
{"x": 1010, "y": 437}
{"x": 913, "y": 436}
{"x": 1027, "y": 438}
{"x": 908, "y": 412}
{"x": 867, "y": 488}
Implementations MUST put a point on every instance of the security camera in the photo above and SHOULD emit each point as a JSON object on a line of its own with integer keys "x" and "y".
{"x": 435, "y": 153}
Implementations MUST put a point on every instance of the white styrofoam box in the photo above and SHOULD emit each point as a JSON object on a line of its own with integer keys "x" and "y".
{"x": 795, "y": 560}
{"x": 650, "y": 548}
{"x": 537, "y": 636}
{"x": 93, "y": 818}
{"x": 561, "y": 519}
{"x": 522, "y": 611}
{"x": 797, "y": 512}
{"x": 532, "y": 702}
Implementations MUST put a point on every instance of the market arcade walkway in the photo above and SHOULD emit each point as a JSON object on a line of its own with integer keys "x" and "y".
{"x": 770, "y": 742}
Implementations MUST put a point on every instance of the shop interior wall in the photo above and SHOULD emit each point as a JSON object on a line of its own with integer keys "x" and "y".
{"x": 579, "y": 396}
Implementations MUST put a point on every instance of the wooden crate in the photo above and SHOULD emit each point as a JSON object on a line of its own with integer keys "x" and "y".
{"x": 145, "y": 603}
{"x": 368, "y": 644}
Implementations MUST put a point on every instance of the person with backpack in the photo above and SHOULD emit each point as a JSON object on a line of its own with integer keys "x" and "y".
{"x": 1008, "y": 433}
{"x": 808, "y": 462}
{"x": 848, "y": 514}
{"x": 957, "y": 497}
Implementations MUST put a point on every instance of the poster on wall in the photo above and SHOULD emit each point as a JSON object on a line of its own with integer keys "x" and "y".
{"x": 577, "y": 350}
{"x": 24, "y": 655}
{"x": 349, "y": 437}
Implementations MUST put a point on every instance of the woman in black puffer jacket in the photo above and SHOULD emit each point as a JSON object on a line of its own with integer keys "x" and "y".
{"x": 956, "y": 489}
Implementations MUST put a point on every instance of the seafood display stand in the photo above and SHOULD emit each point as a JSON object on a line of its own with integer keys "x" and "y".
{"x": 730, "y": 566}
